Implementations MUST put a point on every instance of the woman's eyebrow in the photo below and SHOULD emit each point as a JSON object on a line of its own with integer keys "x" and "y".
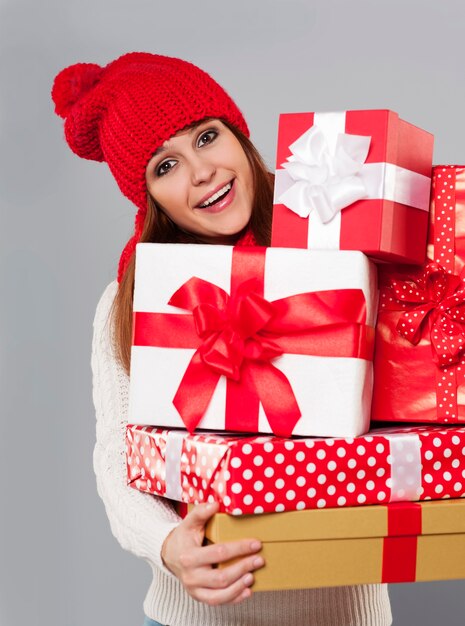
{"x": 192, "y": 130}
{"x": 159, "y": 151}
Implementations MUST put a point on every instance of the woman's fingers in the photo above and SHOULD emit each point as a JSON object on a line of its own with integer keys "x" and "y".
{"x": 221, "y": 552}
{"x": 201, "y": 556}
{"x": 221, "y": 578}
{"x": 236, "y": 592}
{"x": 243, "y": 596}
{"x": 224, "y": 577}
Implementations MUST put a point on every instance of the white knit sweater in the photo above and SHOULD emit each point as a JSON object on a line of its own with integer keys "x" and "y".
{"x": 141, "y": 522}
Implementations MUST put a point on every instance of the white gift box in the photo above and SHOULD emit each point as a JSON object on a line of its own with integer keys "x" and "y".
{"x": 333, "y": 393}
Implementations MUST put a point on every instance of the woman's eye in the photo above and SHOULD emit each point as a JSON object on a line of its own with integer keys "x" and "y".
{"x": 165, "y": 167}
{"x": 207, "y": 137}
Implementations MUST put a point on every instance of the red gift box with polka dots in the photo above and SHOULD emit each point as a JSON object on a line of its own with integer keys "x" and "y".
{"x": 419, "y": 366}
{"x": 319, "y": 203}
{"x": 264, "y": 474}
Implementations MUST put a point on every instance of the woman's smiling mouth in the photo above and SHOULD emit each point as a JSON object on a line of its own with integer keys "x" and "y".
{"x": 217, "y": 200}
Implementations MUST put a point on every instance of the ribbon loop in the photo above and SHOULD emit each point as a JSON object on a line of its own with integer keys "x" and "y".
{"x": 325, "y": 181}
{"x": 208, "y": 319}
{"x": 195, "y": 292}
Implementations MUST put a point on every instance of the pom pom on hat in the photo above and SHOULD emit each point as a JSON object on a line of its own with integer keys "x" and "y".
{"x": 72, "y": 83}
{"x": 123, "y": 112}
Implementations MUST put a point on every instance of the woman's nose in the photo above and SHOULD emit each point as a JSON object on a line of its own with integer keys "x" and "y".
{"x": 202, "y": 169}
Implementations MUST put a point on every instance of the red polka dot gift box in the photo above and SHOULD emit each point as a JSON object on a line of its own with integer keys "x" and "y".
{"x": 353, "y": 180}
{"x": 265, "y": 474}
{"x": 420, "y": 336}
{"x": 251, "y": 339}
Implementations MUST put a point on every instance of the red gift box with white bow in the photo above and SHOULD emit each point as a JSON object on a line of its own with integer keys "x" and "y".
{"x": 353, "y": 180}
{"x": 420, "y": 335}
{"x": 265, "y": 474}
{"x": 251, "y": 339}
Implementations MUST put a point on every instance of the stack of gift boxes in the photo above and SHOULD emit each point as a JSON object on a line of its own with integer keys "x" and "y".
{"x": 255, "y": 372}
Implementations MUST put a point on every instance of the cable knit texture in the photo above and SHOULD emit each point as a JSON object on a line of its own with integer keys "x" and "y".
{"x": 123, "y": 112}
{"x": 141, "y": 523}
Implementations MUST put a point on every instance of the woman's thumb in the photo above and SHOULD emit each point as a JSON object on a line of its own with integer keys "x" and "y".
{"x": 199, "y": 516}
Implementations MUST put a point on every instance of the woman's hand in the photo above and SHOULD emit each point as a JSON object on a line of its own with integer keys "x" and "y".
{"x": 186, "y": 557}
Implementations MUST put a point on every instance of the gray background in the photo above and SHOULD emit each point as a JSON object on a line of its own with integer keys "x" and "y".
{"x": 64, "y": 224}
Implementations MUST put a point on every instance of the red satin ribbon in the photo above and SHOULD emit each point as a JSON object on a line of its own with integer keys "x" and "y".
{"x": 400, "y": 546}
{"x": 238, "y": 335}
{"x": 439, "y": 296}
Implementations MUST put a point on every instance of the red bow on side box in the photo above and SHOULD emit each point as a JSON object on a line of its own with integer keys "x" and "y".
{"x": 439, "y": 296}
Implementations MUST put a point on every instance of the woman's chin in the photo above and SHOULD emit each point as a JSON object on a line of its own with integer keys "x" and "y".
{"x": 229, "y": 228}
{"x": 229, "y": 233}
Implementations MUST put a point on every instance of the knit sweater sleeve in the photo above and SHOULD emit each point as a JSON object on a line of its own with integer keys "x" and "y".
{"x": 139, "y": 521}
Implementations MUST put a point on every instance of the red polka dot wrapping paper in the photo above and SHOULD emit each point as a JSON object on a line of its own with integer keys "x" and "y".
{"x": 376, "y": 222}
{"x": 266, "y": 474}
{"x": 423, "y": 379}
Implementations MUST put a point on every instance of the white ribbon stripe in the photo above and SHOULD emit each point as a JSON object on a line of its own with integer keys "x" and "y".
{"x": 405, "y": 466}
{"x": 173, "y": 455}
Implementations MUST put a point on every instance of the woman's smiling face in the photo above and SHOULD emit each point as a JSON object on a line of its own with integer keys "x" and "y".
{"x": 202, "y": 180}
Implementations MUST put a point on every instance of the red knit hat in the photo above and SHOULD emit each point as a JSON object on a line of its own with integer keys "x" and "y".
{"x": 123, "y": 112}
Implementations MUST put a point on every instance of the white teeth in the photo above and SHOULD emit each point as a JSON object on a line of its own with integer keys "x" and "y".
{"x": 216, "y": 195}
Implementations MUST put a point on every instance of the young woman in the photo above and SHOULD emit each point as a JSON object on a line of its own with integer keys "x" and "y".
{"x": 178, "y": 147}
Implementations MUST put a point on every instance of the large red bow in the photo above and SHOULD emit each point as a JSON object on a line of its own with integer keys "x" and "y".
{"x": 441, "y": 297}
{"x": 234, "y": 344}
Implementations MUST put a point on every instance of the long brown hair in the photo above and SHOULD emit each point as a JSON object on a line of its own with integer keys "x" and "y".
{"x": 158, "y": 228}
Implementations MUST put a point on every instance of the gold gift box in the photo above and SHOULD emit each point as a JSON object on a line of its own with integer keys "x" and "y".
{"x": 354, "y": 545}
